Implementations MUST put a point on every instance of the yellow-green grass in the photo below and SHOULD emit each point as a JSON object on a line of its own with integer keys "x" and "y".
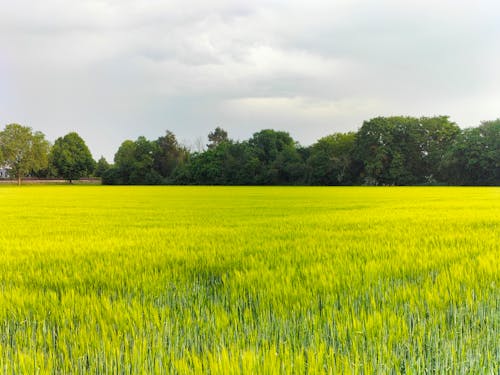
{"x": 229, "y": 280}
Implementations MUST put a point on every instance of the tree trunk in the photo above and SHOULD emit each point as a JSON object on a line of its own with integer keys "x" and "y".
{"x": 18, "y": 180}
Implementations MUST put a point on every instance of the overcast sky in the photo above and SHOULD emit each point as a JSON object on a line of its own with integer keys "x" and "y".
{"x": 116, "y": 69}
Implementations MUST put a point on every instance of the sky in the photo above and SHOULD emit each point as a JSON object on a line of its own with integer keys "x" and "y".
{"x": 113, "y": 70}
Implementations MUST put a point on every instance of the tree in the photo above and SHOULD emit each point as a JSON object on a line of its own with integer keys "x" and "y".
{"x": 403, "y": 150}
{"x": 278, "y": 156}
{"x": 439, "y": 135}
{"x": 168, "y": 155}
{"x": 229, "y": 163}
{"x": 474, "y": 157}
{"x": 101, "y": 167}
{"x": 23, "y": 150}
{"x": 134, "y": 164}
{"x": 71, "y": 157}
{"x": 217, "y": 137}
{"x": 330, "y": 160}
{"x": 388, "y": 149}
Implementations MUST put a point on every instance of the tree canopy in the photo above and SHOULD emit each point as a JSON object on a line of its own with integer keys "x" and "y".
{"x": 217, "y": 137}
{"x": 102, "y": 166}
{"x": 403, "y": 150}
{"x": 71, "y": 157}
{"x": 331, "y": 158}
{"x": 474, "y": 156}
{"x": 22, "y": 150}
{"x": 397, "y": 150}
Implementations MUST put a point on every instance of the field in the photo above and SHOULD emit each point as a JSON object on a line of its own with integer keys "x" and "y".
{"x": 249, "y": 280}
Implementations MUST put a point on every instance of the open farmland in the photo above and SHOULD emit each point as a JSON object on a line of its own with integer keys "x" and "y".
{"x": 249, "y": 280}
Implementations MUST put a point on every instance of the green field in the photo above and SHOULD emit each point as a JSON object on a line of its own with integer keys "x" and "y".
{"x": 249, "y": 280}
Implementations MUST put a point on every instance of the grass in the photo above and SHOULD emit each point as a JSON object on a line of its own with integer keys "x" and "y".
{"x": 249, "y": 280}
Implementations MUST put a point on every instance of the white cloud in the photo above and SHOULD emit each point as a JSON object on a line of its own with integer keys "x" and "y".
{"x": 131, "y": 67}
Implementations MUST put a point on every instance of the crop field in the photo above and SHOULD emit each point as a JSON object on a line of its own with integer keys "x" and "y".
{"x": 249, "y": 280}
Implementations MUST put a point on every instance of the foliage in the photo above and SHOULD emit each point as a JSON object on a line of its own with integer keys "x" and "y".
{"x": 330, "y": 160}
{"x": 403, "y": 150}
{"x": 437, "y": 138}
{"x": 384, "y": 151}
{"x": 474, "y": 158}
{"x": 168, "y": 155}
{"x": 249, "y": 280}
{"x": 279, "y": 161}
{"x": 134, "y": 162}
{"x": 23, "y": 150}
{"x": 71, "y": 157}
{"x": 228, "y": 163}
{"x": 217, "y": 137}
{"x": 144, "y": 162}
{"x": 102, "y": 166}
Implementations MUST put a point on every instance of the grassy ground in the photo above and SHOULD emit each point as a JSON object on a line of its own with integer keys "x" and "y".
{"x": 249, "y": 280}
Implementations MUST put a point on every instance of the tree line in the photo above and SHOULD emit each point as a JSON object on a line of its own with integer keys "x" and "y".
{"x": 24, "y": 152}
{"x": 384, "y": 151}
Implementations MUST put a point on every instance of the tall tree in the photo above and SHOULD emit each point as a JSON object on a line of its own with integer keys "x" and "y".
{"x": 168, "y": 154}
{"x": 134, "y": 164}
{"x": 374, "y": 149}
{"x": 217, "y": 137}
{"x": 439, "y": 134}
{"x": 278, "y": 156}
{"x": 23, "y": 150}
{"x": 330, "y": 160}
{"x": 230, "y": 163}
{"x": 101, "y": 167}
{"x": 373, "y": 142}
{"x": 474, "y": 157}
{"x": 71, "y": 157}
{"x": 403, "y": 150}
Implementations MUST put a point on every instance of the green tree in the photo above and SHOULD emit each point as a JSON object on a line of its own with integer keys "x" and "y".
{"x": 125, "y": 160}
{"x": 134, "y": 164}
{"x": 102, "y": 166}
{"x": 373, "y": 142}
{"x": 23, "y": 150}
{"x": 168, "y": 155}
{"x": 280, "y": 163}
{"x": 403, "y": 150}
{"x": 330, "y": 160}
{"x": 217, "y": 137}
{"x": 71, "y": 157}
{"x": 474, "y": 157}
{"x": 439, "y": 134}
{"x": 229, "y": 163}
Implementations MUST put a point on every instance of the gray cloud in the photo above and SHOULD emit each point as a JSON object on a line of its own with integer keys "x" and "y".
{"x": 117, "y": 69}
